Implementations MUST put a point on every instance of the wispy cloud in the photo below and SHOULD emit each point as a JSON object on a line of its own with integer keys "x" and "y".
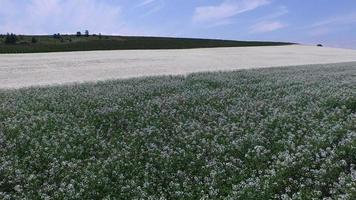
{"x": 267, "y": 26}
{"x": 151, "y": 6}
{"x": 221, "y": 14}
{"x": 146, "y": 2}
{"x": 327, "y": 26}
{"x": 337, "y": 20}
{"x": 42, "y": 16}
{"x": 270, "y": 22}
{"x": 280, "y": 11}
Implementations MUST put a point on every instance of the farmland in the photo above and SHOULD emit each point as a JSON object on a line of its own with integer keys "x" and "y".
{"x": 62, "y": 43}
{"x": 251, "y": 134}
{"x": 25, "y": 70}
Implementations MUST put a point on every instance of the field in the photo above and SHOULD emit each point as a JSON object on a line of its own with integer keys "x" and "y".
{"x": 73, "y": 43}
{"x": 251, "y": 134}
{"x": 24, "y": 70}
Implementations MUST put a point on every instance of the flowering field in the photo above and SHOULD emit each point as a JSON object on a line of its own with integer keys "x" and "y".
{"x": 284, "y": 133}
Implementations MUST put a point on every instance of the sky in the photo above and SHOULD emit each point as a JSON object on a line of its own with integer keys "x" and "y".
{"x": 329, "y": 22}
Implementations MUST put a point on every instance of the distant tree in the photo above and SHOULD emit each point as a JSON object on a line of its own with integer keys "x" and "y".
{"x": 79, "y": 34}
{"x": 86, "y": 33}
{"x": 100, "y": 36}
{"x": 34, "y": 40}
{"x": 57, "y": 36}
{"x": 319, "y": 45}
{"x": 10, "y": 38}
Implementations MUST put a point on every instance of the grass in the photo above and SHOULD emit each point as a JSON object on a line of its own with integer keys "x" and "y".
{"x": 256, "y": 134}
{"x": 73, "y": 43}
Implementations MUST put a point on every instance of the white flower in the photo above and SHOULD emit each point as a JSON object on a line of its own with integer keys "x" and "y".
{"x": 18, "y": 188}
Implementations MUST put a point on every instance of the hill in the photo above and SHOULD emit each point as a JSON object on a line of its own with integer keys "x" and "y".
{"x": 59, "y": 43}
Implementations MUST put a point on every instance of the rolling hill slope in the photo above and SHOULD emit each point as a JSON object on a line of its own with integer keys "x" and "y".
{"x": 62, "y": 43}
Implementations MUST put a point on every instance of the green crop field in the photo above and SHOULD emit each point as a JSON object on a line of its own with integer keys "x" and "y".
{"x": 73, "y": 43}
{"x": 283, "y": 133}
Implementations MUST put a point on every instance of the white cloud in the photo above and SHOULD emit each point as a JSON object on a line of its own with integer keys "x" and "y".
{"x": 150, "y": 7}
{"x": 269, "y": 23}
{"x": 226, "y": 10}
{"x": 280, "y": 11}
{"x": 337, "y": 20}
{"x": 65, "y": 16}
{"x": 267, "y": 26}
{"x": 327, "y": 26}
{"x": 146, "y": 2}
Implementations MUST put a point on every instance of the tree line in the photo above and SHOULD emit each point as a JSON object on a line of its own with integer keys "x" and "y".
{"x": 11, "y": 38}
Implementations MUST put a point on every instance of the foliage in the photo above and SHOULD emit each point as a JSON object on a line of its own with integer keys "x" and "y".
{"x": 34, "y": 40}
{"x": 283, "y": 133}
{"x": 57, "y": 36}
{"x": 10, "y": 38}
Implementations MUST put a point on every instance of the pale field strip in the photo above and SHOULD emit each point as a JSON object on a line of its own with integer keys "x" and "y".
{"x": 25, "y": 70}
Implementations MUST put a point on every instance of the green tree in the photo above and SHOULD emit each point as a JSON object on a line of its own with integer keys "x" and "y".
{"x": 10, "y": 38}
{"x": 34, "y": 40}
{"x": 57, "y": 36}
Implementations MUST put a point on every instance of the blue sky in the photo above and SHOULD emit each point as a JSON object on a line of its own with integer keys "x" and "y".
{"x": 330, "y": 22}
